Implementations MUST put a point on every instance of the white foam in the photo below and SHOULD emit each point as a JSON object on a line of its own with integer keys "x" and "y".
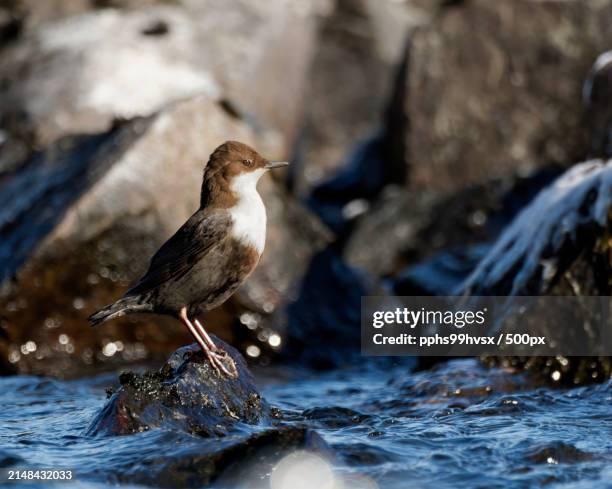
{"x": 557, "y": 212}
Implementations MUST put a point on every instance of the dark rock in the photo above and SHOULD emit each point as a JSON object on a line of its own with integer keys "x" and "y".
{"x": 427, "y": 244}
{"x": 79, "y": 222}
{"x": 557, "y": 452}
{"x": 558, "y": 245}
{"x": 559, "y": 370}
{"x": 363, "y": 454}
{"x": 340, "y": 199}
{"x": 17, "y": 141}
{"x": 418, "y": 225}
{"x": 597, "y": 94}
{"x": 441, "y": 274}
{"x": 226, "y": 462}
{"x": 11, "y": 22}
{"x": 324, "y": 322}
{"x": 334, "y": 417}
{"x": 187, "y": 395}
{"x": 239, "y": 436}
{"x": 397, "y": 222}
{"x": 355, "y": 56}
{"x": 156, "y": 28}
{"x": 8, "y": 460}
{"x": 491, "y": 89}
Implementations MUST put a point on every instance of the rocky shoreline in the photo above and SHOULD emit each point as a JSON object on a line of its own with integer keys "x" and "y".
{"x": 445, "y": 172}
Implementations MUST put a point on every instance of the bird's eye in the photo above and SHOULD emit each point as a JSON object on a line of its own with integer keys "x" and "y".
{"x": 248, "y": 163}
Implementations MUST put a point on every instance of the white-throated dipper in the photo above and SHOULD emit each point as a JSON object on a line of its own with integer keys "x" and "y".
{"x": 206, "y": 260}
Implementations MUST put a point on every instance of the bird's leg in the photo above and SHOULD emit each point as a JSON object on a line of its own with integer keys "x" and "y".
{"x": 214, "y": 358}
{"x": 205, "y": 335}
{"x": 222, "y": 354}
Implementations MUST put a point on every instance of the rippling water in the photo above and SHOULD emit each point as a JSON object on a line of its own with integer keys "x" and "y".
{"x": 457, "y": 425}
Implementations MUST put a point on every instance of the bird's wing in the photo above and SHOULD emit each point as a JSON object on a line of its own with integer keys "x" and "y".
{"x": 186, "y": 247}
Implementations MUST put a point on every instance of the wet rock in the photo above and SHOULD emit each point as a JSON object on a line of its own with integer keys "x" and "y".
{"x": 80, "y": 221}
{"x": 558, "y": 245}
{"x": 510, "y": 105}
{"x": 557, "y": 452}
{"x": 559, "y": 370}
{"x": 79, "y": 73}
{"x": 566, "y": 219}
{"x": 456, "y": 386}
{"x": 187, "y": 395}
{"x": 8, "y": 460}
{"x": 239, "y": 436}
{"x": 334, "y": 417}
{"x": 363, "y": 455}
{"x": 231, "y": 461}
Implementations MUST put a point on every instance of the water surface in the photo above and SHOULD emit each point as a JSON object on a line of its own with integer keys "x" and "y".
{"x": 457, "y": 425}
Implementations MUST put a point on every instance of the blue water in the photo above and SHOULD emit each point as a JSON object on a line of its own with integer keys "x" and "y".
{"x": 457, "y": 425}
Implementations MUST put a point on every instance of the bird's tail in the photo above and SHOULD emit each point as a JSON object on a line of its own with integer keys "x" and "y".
{"x": 124, "y": 306}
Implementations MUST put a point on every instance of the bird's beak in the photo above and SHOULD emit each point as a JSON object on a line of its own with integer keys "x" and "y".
{"x": 270, "y": 165}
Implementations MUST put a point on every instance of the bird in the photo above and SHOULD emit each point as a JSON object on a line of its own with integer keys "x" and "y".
{"x": 211, "y": 254}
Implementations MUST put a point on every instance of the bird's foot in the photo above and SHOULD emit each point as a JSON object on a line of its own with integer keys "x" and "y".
{"x": 222, "y": 363}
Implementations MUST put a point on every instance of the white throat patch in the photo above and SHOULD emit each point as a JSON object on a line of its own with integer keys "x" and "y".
{"x": 249, "y": 213}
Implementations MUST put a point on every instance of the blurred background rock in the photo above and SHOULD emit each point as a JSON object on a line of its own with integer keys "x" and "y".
{"x": 418, "y": 130}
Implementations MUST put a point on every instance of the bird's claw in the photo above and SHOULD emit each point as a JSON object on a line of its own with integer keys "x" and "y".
{"x": 218, "y": 358}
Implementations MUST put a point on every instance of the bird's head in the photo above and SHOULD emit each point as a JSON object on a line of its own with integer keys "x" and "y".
{"x": 233, "y": 168}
